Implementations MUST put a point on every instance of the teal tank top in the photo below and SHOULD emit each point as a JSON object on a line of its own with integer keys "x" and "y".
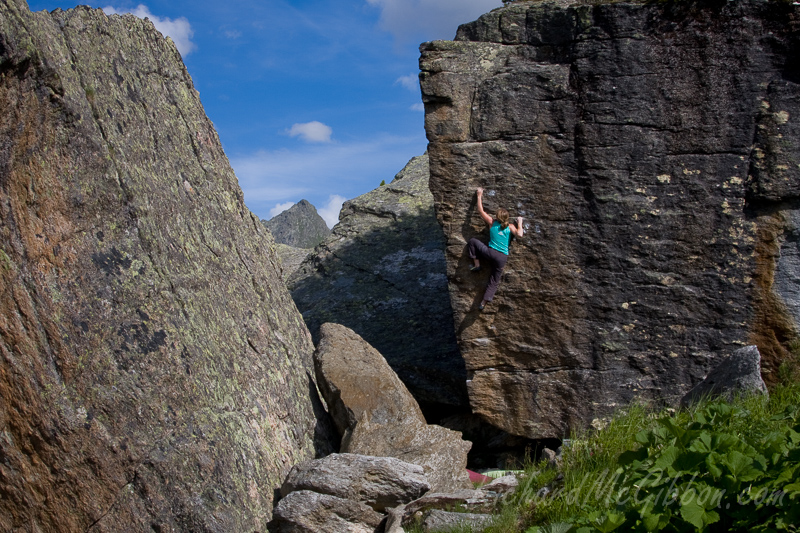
{"x": 498, "y": 238}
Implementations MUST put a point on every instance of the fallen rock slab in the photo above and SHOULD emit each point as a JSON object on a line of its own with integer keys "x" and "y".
{"x": 305, "y": 511}
{"x": 738, "y": 374}
{"x": 502, "y": 485}
{"x": 441, "y": 452}
{"x": 380, "y": 482}
{"x": 437, "y": 520}
{"x": 376, "y": 415}
{"x": 476, "y": 501}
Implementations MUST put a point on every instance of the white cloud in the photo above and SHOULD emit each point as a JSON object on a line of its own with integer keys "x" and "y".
{"x": 317, "y": 172}
{"x": 179, "y": 30}
{"x": 418, "y": 107}
{"x": 410, "y": 82}
{"x": 233, "y": 34}
{"x": 313, "y": 132}
{"x": 330, "y": 212}
{"x": 431, "y": 19}
{"x": 280, "y": 208}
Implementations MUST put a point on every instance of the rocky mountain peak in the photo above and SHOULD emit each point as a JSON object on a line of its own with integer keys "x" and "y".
{"x": 300, "y": 226}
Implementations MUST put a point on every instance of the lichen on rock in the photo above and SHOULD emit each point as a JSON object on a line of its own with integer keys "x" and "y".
{"x": 154, "y": 372}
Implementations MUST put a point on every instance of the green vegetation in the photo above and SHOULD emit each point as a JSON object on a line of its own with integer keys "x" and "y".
{"x": 714, "y": 467}
{"x": 5, "y": 261}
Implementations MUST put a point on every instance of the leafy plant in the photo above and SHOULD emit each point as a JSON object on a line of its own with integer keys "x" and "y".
{"x": 719, "y": 467}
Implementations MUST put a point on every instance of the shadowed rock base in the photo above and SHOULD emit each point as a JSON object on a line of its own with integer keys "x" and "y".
{"x": 739, "y": 374}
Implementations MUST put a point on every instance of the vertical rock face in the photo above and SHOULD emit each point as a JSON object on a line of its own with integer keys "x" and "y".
{"x": 300, "y": 226}
{"x": 153, "y": 368}
{"x": 382, "y": 274}
{"x": 653, "y": 151}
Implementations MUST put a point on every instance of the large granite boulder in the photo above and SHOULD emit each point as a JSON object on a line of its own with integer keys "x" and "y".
{"x": 154, "y": 371}
{"x": 653, "y": 150}
{"x": 300, "y": 226}
{"x": 382, "y": 274}
{"x": 376, "y": 415}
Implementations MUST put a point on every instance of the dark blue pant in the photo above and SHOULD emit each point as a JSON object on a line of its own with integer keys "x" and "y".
{"x": 497, "y": 260}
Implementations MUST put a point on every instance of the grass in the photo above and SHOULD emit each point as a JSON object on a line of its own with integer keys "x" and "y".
{"x": 586, "y": 469}
{"x": 585, "y": 482}
{"x": 590, "y": 464}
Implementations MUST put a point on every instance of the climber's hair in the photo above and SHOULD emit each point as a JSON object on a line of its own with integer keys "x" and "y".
{"x": 502, "y": 217}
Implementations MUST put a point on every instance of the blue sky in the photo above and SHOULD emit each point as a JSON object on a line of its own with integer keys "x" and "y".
{"x": 313, "y": 99}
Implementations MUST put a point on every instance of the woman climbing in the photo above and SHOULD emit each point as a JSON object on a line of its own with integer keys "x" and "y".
{"x": 496, "y": 253}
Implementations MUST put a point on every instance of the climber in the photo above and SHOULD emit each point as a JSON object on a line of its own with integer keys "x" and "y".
{"x": 496, "y": 253}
